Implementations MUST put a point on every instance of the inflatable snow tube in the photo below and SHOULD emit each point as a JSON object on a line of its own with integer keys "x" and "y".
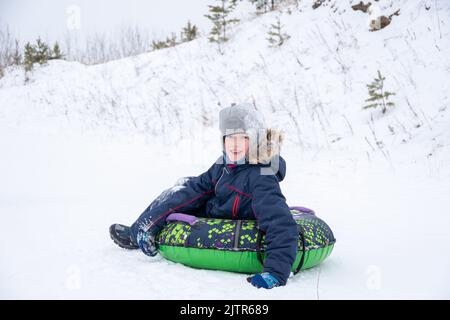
{"x": 238, "y": 245}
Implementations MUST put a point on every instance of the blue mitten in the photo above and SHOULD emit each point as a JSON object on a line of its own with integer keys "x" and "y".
{"x": 264, "y": 280}
{"x": 147, "y": 243}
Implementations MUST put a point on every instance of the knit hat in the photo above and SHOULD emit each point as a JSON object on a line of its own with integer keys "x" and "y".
{"x": 244, "y": 118}
{"x": 240, "y": 118}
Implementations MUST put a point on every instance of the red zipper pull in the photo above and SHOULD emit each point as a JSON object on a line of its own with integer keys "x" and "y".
{"x": 235, "y": 207}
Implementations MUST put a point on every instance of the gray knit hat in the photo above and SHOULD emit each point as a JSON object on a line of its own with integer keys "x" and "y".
{"x": 265, "y": 143}
{"x": 240, "y": 118}
{"x": 244, "y": 118}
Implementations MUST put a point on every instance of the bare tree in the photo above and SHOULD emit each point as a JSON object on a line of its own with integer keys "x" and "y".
{"x": 9, "y": 49}
{"x": 102, "y": 47}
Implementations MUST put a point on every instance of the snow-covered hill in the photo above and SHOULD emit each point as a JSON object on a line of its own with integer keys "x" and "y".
{"x": 86, "y": 146}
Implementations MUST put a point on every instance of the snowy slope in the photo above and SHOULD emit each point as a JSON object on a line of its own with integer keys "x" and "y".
{"x": 86, "y": 146}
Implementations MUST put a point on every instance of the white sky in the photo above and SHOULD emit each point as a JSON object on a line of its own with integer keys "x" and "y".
{"x": 51, "y": 19}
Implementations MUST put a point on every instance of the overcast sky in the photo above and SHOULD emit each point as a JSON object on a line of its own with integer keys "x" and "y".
{"x": 51, "y": 19}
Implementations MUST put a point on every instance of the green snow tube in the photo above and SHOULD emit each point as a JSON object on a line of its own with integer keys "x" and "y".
{"x": 238, "y": 245}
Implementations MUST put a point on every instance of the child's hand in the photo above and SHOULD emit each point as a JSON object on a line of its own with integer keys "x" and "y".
{"x": 147, "y": 243}
{"x": 263, "y": 280}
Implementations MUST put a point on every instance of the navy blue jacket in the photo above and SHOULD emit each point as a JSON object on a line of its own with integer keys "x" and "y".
{"x": 234, "y": 192}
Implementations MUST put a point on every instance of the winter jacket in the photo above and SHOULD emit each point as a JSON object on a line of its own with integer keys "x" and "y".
{"x": 231, "y": 191}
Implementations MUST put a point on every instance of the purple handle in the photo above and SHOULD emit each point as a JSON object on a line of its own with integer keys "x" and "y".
{"x": 182, "y": 217}
{"x": 303, "y": 210}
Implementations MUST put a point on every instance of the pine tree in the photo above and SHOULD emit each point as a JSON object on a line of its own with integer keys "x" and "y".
{"x": 42, "y": 52}
{"x": 157, "y": 44}
{"x": 219, "y": 17}
{"x": 162, "y": 44}
{"x": 189, "y": 33}
{"x": 276, "y": 36}
{"x": 378, "y": 97}
{"x": 265, "y": 5}
{"x": 38, "y": 53}
{"x": 29, "y": 56}
{"x": 56, "y": 52}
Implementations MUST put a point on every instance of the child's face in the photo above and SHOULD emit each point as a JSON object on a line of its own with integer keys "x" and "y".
{"x": 236, "y": 146}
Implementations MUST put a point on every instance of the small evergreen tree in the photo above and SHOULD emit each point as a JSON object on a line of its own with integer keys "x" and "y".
{"x": 42, "y": 52}
{"x": 189, "y": 33}
{"x": 29, "y": 56}
{"x": 276, "y": 36}
{"x": 219, "y": 16}
{"x": 158, "y": 44}
{"x": 169, "y": 42}
{"x": 378, "y": 97}
{"x": 56, "y": 52}
{"x": 264, "y": 5}
{"x": 39, "y": 53}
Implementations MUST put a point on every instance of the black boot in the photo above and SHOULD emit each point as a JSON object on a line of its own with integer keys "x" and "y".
{"x": 121, "y": 235}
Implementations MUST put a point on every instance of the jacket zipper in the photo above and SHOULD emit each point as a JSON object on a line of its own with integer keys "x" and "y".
{"x": 234, "y": 212}
{"x": 237, "y": 235}
{"x": 217, "y": 183}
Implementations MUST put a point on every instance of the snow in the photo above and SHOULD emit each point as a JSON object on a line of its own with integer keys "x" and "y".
{"x": 87, "y": 146}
